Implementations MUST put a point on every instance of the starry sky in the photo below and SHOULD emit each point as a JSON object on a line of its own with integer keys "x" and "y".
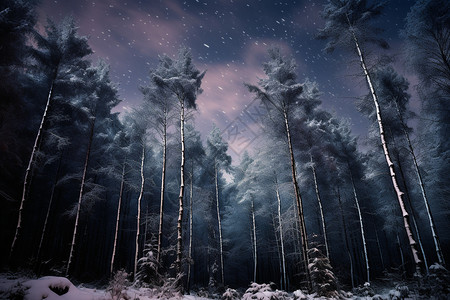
{"x": 229, "y": 39}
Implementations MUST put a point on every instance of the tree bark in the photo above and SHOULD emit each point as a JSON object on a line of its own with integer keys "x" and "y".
{"x": 361, "y": 224}
{"x": 190, "y": 230}
{"x": 324, "y": 227}
{"x": 298, "y": 199}
{"x": 80, "y": 197}
{"x": 379, "y": 248}
{"x": 178, "y": 261}
{"x": 163, "y": 185}
{"x": 255, "y": 253}
{"x": 422, "y": 189}
{"x": 116, "y": 231}
{"x": 138, "y": 225}
{"x": 283, "y": 257}
{"x": 28, "y": 172}
{"x": 399, "y": 193}
{"x": 219, "y": 222}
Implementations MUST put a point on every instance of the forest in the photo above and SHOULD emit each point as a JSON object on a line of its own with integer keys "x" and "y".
{"x": 140, "y": 196}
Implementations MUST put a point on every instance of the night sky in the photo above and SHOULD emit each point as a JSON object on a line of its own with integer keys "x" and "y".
{"x": 229, "y": 39}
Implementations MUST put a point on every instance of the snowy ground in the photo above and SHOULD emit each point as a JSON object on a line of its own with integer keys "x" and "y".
{"x": 59, "y": 288}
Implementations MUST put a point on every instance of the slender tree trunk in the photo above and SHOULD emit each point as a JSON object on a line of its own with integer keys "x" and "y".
{"x": 361, "y": 224}
{"x": 283, "y": 257}
{"x": 422, "y": 189}
{"x": 116, "y": 230}
{"x": 346, "y": 238}
{"x": 399, "y": 193}
{"x": 255, "y": 253}
{"x": 190, "y": 229}
{"x": 379, "y": 247}
{"x": 219, "y": 222}
{"x": 274, "y": 223}
{"x": 178, "y": 261}
{"x": 401, "y": 256}
{"x": 322, "y": 218}
{"x": 298, "y": 199}
{"x": 138, "y": 225}
{"x": 80, "y": 196}
{"x": 163, "y": 185}
{"x": 413, "y": 214}
{"x": 44, "y": 230}
{"x": 28, "y": 172}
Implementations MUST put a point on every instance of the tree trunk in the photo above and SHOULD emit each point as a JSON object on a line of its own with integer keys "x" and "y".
{"x": 44, "y": 230}
{"x": 324, "y": 227}
{"x": 298, "y": 202}
{"x": 80, "y": 197}
{"x": 399, "y": 193}
{"x": 283, "y": 257}
{"x": 163, "y": 185}
{"x": 413, "y": 214}
{"x": 180, "y": 197}
{"x": 401, "y": 257}
{"x": 255, "y": 253}
{"x": 346, "y": 238}
{"x": 138, "y": 225}
{"x": 219, "y": 222}
{"x": 422, "y": 189}
{"x": 379, "y": 248}
{"x": 116, "y": 231}
{"x": 190, "y": 230}
{"x": 361, "y": 225}
{"x": 28, "y": 172}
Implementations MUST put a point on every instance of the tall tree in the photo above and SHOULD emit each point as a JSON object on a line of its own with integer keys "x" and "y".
{"x": 180, "y": 78}
{"x": 349, "y": 22}
{"x": 61, "y": 52}
{"x": 281, "y": 92}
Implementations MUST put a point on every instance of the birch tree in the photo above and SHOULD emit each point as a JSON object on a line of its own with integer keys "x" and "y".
{"x": 348, "y": 22}
{"x": 61, "y": 54}
{"x": 281, "y": 92}
{"x": 182, "y": 80}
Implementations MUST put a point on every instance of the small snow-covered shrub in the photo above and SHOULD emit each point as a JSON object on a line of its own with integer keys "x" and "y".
{"x": 263, "y": 292}
{"x": 15, "y": 292}
{"x": 118, "y": 284}
{"x": 403, "y": 290}
{"x": 364, "y": 291}
{"x": 436, "y": 283}
{"x": 323, "y": 279}
{"x": 231, "y": 294}
{"x": 394, "y": 295}
{"x": 299, "y": 295}
{"x": 148, "y": 268}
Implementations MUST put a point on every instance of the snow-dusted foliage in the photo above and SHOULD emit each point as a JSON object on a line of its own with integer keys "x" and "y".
{"x": 231, "y": 294}
{"x": 436, "y": 283}
{"x": 364, "y": 290}
{"x": 148, "y": 268}
{"x": 118, "y": 284}
{"x": 264, "y": 291}
{"x": 323, "y": 279}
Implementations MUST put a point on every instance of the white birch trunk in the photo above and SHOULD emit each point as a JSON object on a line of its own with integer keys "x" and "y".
{"x": 255, "y": 253}
{"x": 399, "y": 193}
{"x": 28, "y": 172}
{"x": 361, "y": 225}
{"x": 180, "y": 197}
{"x": 324, "y": 227}
{"x": 422, "y": 189}
{"x": 80, "y": 197}
{"x": 283, "y": 257}
{"x": 116, "y": 231}
{"x": 138, "y": 225}
{"x": 298, "y": 199}
{"x": 219, "y": 222}
{"x": 163, "y": 185}
{"x": 190, "y": 231}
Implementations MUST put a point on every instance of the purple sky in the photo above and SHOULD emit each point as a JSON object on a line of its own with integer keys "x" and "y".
{"x": 229, "y": 39}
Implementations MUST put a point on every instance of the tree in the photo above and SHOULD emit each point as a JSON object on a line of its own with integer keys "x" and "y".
{"x": 348, "y": 22}
{"x": 216, "y": 154}
{"x": 280, "y": 92}
{"x": 62, "y": 53}
{"x": 181, "y": 79}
